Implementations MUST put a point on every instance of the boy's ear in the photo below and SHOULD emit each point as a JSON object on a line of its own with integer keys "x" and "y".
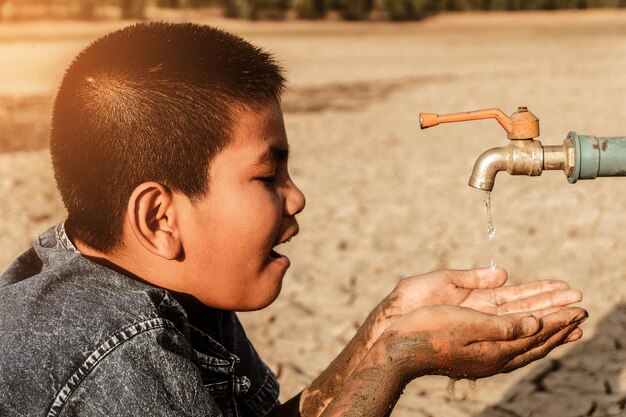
{"x": 152, "y": 217}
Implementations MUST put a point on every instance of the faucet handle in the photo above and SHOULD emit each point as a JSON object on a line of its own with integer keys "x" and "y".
{"x": 521, "y": 125}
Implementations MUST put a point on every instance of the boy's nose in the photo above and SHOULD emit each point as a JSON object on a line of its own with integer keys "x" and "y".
{"x": 295, "y": 200}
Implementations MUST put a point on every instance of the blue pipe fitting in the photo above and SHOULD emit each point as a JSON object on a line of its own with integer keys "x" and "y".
{"x": 597, "y": 157}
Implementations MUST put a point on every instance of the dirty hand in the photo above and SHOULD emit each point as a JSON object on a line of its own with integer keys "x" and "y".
{"x": 479, "y": 289}
{"x": 463, "y": 343}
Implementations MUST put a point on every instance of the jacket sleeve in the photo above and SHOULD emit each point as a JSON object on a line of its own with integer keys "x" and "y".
{"x": 148, "y": 374}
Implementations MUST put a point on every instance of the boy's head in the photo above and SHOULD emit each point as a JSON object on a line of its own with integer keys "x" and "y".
{"x": 151, "y": 102}
{"x": 168, "y": 145}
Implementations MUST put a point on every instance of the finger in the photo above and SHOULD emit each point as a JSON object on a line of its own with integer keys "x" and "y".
{"x": 544, "y": 312}
{"x": 555, "y": 298}
{"x": 551, "y": 324}
{"x": 576, "y": 334}
{"x": 562, "y": 336}
{"x": 512, "y": 327}
{"x": 478, "y": 278}
{"x": 522, "y": 351}
{"x": 505, "y": 328}
{"x": 563, "y": 316}
{"x": 519, "y": 352}
{"x": 518, "y": 292}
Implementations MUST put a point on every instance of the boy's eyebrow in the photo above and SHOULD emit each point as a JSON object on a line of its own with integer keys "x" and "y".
{"x": 273, "y": 154}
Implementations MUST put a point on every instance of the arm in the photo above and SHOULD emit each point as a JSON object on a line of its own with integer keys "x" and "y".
{"x": 447, "y": 340}
{"x": 321, "y": 391}
{"x": 478, "y": 289}
{"x": 314, "y": 399}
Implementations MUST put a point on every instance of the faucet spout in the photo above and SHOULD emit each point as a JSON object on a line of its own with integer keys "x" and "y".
{"x": 521, "y": 157}
{"x": 488, "y": 164}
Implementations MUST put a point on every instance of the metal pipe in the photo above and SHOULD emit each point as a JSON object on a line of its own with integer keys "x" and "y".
{"x": 595, "y": 156}
{"x": 554, "y": 157}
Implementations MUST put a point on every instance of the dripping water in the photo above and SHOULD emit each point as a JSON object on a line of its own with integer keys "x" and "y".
{"x": 452, "y": 389}
{"x": 491, "y": 234}
{"x": 491, "y": 231}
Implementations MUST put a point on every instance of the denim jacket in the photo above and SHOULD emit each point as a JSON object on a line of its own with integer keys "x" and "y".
{"x": 79, "y": 339}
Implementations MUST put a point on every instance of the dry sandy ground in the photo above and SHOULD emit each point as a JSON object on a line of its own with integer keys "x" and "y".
{"x": 386, "y": 200}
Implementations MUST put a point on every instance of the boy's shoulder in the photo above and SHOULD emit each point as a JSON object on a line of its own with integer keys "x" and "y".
{"x": 51, "y": 288}
{"x": 62, "y": 317}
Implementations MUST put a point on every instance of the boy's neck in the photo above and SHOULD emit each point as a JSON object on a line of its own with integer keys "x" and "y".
{"x": 131, "y": 262}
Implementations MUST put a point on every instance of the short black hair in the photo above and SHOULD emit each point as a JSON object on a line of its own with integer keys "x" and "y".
{"x": 150, "y": 102}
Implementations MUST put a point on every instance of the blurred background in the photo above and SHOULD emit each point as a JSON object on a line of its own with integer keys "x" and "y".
{"x": 385, "y": 199}
{"x": 393, "y": 10}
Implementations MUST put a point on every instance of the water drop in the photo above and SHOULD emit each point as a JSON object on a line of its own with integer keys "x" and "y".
{"x": 452, "y": 389}
{"x": 491, "y": 231}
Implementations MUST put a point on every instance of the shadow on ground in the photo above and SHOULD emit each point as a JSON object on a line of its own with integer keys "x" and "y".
{"x": 590, "y": 380}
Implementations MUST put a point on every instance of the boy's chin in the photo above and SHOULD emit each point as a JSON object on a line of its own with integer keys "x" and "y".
{"x": 259, "y": 298}
{"x": 259, "y": 304}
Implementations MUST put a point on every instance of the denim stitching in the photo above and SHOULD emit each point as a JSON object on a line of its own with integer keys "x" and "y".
{"x": 214, "y": 347}
{"x": 266, "y": 395}
{"x": 63, "y": 239}
{"x": 97, "y": 355}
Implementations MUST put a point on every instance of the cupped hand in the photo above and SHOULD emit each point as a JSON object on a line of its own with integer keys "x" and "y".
{"x": 461, "y": 342}
{"x": 478, "y": 289}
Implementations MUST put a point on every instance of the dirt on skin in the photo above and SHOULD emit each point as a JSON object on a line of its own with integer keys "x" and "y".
{"x": 386, "y": 200}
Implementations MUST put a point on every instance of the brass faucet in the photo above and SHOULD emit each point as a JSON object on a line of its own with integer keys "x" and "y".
{"x": 523, "y": 156}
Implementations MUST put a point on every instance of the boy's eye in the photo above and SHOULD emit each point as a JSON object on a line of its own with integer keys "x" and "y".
{"x": 268, "y": 180}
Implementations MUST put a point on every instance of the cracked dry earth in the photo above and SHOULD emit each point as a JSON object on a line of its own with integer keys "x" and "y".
{"x": 386, "y": 200}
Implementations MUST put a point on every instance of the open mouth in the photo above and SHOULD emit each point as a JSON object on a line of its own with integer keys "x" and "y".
{"x": 285, "y": 238}
{"x": 278, "y": 258}
{"x": 275, "y": 255}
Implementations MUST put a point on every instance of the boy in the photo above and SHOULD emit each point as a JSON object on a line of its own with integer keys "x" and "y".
{"x": 170, "y": 154}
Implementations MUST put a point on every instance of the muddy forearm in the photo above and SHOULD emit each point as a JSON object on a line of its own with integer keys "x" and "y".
{"x": 323, "y": 389}
{"x": 373, "y": 388}
{"x": 369, "y": 393}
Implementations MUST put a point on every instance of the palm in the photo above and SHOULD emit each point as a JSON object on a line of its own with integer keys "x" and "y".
{"x": 481, "y": 290}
